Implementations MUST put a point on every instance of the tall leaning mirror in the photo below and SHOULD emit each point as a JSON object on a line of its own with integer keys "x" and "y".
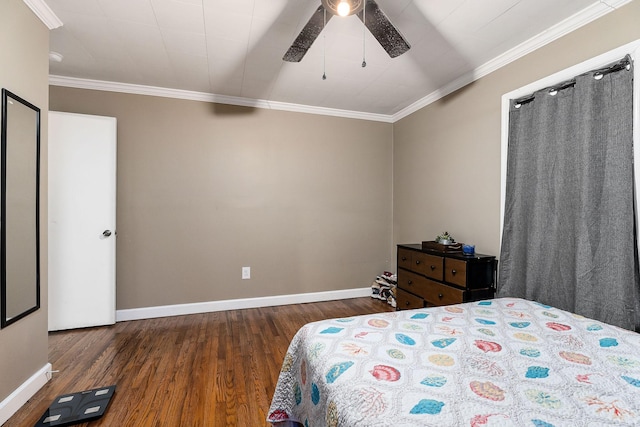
{"x": 19, "y": 212}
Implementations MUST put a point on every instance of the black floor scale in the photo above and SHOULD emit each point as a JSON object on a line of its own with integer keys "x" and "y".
{"x": 76, "y": 408}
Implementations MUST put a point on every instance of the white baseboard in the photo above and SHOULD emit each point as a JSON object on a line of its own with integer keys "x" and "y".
{"x": 19, "y": 397}
{"x": 237, "y": 304}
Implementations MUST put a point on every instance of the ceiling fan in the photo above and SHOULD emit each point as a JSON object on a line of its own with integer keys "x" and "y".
{"x": 368, "y": 12}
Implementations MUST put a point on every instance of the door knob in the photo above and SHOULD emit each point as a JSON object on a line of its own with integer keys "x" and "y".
{"x": 106, "y": 233}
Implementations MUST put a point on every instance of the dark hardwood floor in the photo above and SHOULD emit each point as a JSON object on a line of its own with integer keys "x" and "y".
{"x": 213, "y": 369}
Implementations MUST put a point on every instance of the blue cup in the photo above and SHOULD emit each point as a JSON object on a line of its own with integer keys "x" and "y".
{"x": 468, "y": 249}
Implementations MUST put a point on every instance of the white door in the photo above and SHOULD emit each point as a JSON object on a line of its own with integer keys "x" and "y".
{"x": 82, "y": 220}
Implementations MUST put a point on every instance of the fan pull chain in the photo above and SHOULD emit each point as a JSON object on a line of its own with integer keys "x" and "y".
{"x": 364, "y": 34}
{"x": 324, "y": 47}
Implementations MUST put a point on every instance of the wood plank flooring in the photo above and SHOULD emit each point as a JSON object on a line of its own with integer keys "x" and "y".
{"x": 213, "y": 369}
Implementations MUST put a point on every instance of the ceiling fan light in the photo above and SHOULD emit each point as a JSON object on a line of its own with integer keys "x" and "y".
{"x": 344, "y": 8}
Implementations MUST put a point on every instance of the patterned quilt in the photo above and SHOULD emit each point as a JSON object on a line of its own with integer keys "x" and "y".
{"x": 501, "y": 362}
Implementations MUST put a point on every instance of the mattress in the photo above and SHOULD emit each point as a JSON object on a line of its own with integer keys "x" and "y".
{"x": 500, "y": 362}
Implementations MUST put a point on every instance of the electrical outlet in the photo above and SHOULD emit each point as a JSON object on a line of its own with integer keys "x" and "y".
{"x": 246, "y": 273}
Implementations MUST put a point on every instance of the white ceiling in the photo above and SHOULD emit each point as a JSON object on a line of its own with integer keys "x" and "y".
{"x": 234, "y": 48}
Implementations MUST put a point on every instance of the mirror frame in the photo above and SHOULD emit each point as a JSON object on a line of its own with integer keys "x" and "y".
{"x": 6, "y": 95}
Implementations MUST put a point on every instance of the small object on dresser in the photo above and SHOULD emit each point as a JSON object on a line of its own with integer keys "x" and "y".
{"x": 468, "y": 249}
{"x": 445, "y": 238}
{"x": 435, "y": 246}
{"x": 443, "y": 243}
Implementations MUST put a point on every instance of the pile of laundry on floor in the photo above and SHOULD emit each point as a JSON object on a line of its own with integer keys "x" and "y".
{"x": 384, "y": 288}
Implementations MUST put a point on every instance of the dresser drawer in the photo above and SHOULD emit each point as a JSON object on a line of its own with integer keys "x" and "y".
{"x": 455, "y": 272}
{"x": 408, "y": 301}
{"x": 411, "y": 282}
{"x": 405, "y": 258}
{"x": 438, "y": 294}
{"x": 429, "y": 265}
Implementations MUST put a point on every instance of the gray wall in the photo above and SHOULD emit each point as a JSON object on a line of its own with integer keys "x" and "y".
{"x": 447, "y": 155}
{"x": 306, "y": 200}
{"x": 204, "y": 189}
{"x": 24, "y": 70}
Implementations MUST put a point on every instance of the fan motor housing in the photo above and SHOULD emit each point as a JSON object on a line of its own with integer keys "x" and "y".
{"x": 332, "y": 6}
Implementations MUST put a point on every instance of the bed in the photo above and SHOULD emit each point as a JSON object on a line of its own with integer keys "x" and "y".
{"x": 499, "y": 362}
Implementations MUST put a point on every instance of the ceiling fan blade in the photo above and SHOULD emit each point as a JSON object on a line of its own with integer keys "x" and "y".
{"x": 383, "y": 30}
{"x": 307, "y": 36}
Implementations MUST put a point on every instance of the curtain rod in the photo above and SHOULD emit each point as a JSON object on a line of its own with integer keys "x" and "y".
{"x": 625, "y": 63}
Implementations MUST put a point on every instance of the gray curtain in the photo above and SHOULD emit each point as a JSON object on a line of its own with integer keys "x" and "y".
{"x": 569, "y": 228}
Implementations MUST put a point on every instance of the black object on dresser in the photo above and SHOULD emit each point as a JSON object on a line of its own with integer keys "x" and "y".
{"x": 431, "y": 278}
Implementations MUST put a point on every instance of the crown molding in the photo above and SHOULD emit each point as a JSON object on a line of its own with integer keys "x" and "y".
{"x": 44, "y": 12}
{"x": 563, "y": 28}
{"x": 570, "y": 24}
{"x": 79, "y": 83}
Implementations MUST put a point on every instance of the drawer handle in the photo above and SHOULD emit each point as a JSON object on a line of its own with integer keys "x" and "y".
{"x": 453, "y": 272}
{"x": 417, "y": 262}
{"x": 404, "y": 258}
{"x": 407, "y": 303}
{"x": 409, "y": 282}
{"x": 440, "y": 296}
{"x": 433, "y": 267}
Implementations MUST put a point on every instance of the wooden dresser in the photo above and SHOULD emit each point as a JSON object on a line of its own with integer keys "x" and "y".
{"x": 431, "y": 278}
